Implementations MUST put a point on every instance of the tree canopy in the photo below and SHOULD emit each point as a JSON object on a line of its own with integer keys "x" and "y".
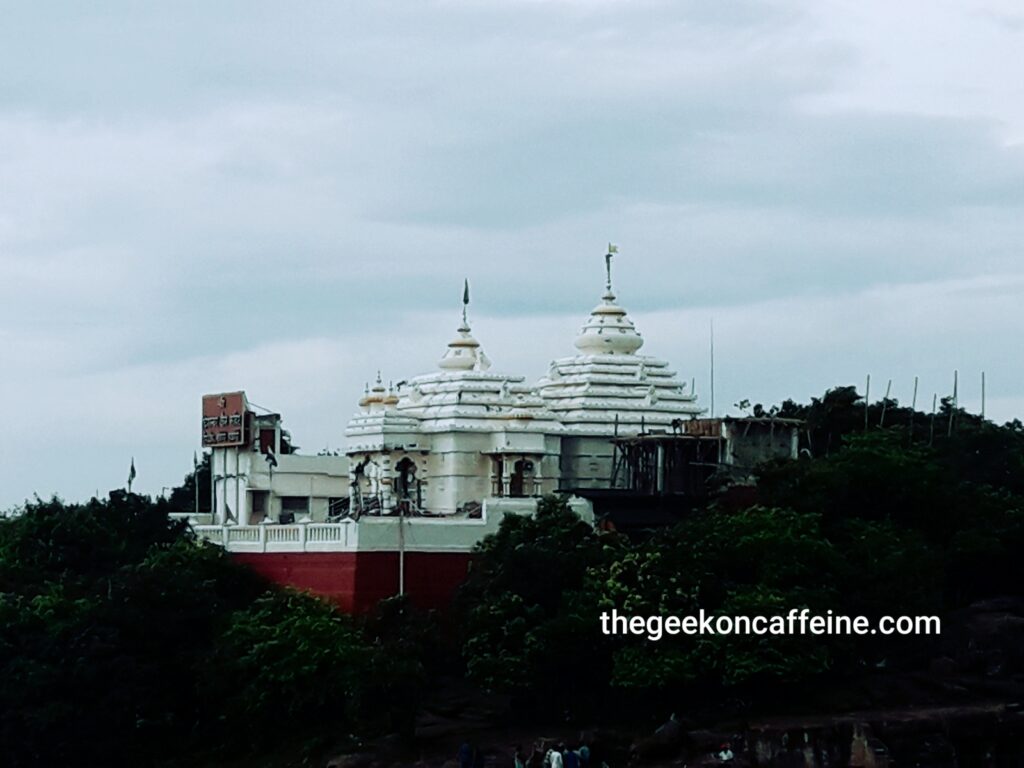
{"x": 940, "y": 513}
{"x": 124, "y": 641}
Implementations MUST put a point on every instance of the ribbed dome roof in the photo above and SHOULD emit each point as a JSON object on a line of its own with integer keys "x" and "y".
{"x": 464, "y": 353}
{"x": 608, "y": 330}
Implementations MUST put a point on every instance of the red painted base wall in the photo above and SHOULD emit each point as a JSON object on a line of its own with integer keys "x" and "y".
{"x": 356, "y": 581}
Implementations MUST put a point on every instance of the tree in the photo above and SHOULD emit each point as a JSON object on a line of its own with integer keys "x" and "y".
{"x": 123, "y": 639}
{"x": 183, "y": 497}
{"x": 529, "y": 626}
{"x": 758, "y": 561}
{"x": 288, "y": 658}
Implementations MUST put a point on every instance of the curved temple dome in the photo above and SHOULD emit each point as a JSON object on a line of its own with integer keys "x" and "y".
{"x": 608, "y": 385}
{"x": 608, "y": 330}
{"x": 464, "y": 353}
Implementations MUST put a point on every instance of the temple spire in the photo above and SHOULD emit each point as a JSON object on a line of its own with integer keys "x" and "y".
{"x": 608, "y": 330}
{"x": 464, "y": 353}
{"x": 612, "y": 250}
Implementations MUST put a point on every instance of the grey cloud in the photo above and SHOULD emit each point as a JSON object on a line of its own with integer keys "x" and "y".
{"x": 243, "y": 194}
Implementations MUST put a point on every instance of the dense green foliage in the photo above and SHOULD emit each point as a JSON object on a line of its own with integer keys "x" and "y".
{"x": 529, "y": 620}
{"x": 125, "y": 642}
{"x": 900, "y": 519}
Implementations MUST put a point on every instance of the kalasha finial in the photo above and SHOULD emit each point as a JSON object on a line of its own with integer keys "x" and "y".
{"x": 465, "y": 300}
{"x": 612, "y": 250}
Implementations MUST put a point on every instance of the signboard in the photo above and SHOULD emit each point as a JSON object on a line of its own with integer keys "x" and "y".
{"x": 225, "y": 419}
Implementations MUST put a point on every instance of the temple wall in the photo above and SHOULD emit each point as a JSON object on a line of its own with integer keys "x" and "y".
{"x": 586, "y": 462}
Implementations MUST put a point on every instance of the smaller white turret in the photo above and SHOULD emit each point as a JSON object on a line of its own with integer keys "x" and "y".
{"x": 608, "y": 330}
{"x": 464, "y": 352}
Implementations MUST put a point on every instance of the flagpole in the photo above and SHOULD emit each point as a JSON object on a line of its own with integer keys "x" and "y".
{"x": 195, "y": 480}
{"x": 213, "y": 486}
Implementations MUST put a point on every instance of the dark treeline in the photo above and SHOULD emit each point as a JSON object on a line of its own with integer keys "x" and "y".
{"x": 899, "y": 518}
{"x": 123, "y": 641}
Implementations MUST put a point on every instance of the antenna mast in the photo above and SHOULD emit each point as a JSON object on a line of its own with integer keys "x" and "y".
{"x": 982, "y": 395}
{"x": 712, "y": 340}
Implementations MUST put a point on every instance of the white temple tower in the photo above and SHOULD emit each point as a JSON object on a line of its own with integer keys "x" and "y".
{"x": 607, "y": 389}
{"x": 452, "y": 438}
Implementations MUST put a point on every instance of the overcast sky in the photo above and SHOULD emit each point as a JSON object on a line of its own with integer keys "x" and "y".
{"x": 283, "y": 198}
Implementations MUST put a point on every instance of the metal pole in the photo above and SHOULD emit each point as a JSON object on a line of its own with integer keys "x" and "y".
{"x": 213, "y": 485}
{"x": 712, "y": 368}
{"x": 983, "y": 395}
{"x": 913, "y": 410}
{"x": 401, "y": 549}
{"x": 885, "y": 403}
{"x": 931, "y": 431}
{"x": 952, "y": 410}
{"x": 238, "y": 488}
{"x": 195, "y": 480}
{"x": 867, "y": 401}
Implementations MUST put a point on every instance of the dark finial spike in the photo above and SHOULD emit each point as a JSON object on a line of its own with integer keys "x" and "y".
{"x": 612, "y": 250}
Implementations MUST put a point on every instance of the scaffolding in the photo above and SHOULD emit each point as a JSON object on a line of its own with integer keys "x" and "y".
{"x": 666, "y": 465}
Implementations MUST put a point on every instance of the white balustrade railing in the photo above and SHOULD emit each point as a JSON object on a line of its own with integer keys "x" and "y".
{"x": 243, "y": 533}
{"x": 328, "y": 533}
{"x": 282, "y": 533}
{"x": 279, "y": 538}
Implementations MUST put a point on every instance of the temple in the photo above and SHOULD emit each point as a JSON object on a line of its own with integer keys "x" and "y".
{"x": 443, "y": 443}
{"x": 434, "y": 463}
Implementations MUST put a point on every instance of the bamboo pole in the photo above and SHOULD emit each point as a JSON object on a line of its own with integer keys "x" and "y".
{"x": 867, "y": 400}
{"x": 913, "y": 410}
{"x": 952, "y": 410}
